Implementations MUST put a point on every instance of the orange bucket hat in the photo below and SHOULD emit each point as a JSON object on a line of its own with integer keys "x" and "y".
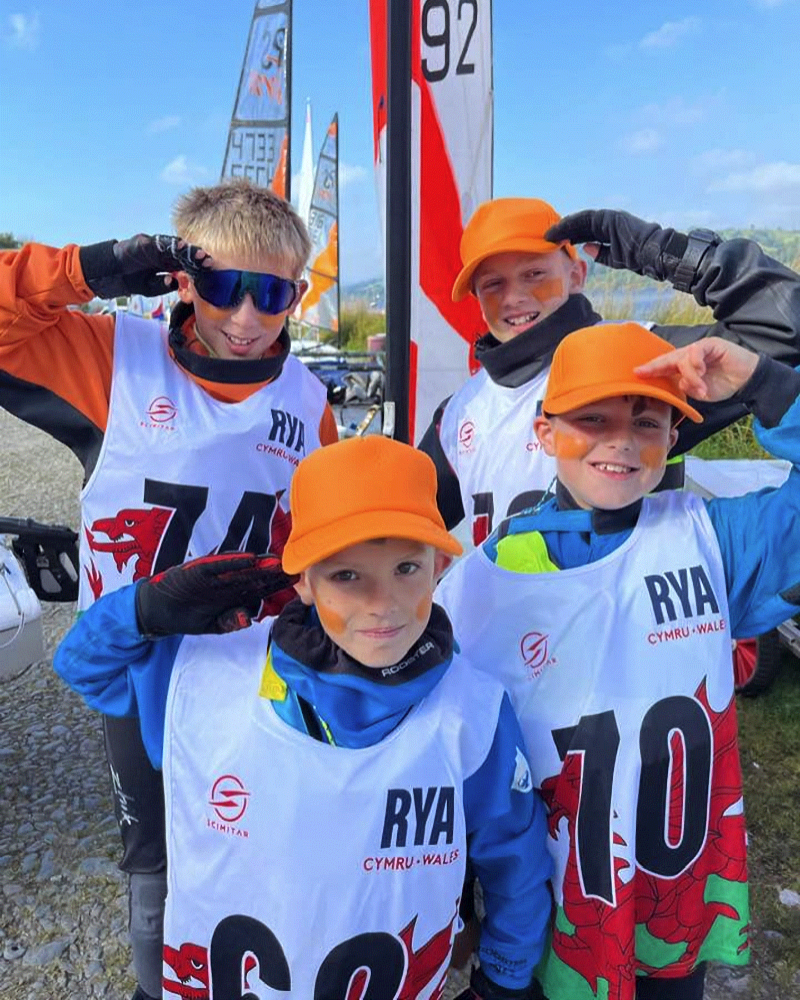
{"x": 598, "y": 362}
{"x": 503, "y": 225}
{"x": 360, "y": 489}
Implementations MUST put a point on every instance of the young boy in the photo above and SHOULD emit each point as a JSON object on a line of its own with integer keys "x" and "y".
{"x": 188, "y": 436}
{"x": 326, "y": 771}
{"x": 520, "y": 262}
{"x": 608, "y": 614}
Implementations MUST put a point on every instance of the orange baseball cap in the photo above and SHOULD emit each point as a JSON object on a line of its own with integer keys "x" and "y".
{"x": 598, "y": 362}
{"x": 359, "y": 489}
{"x": 503, "y": 225}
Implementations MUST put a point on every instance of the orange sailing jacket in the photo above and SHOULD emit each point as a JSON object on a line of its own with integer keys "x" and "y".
{"x": 56, "y": 362}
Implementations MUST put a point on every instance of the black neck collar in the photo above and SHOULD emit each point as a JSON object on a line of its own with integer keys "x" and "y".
{"x": 520, "y": 359}
{"x": 210, "y": 369}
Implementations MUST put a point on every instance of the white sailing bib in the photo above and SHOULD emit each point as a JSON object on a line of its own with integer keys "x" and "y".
{"x": 487, "y": 436}
{"x": 620, "y": 672}
{"x": 294, "y": 864}
{"x": 181, "y": 473}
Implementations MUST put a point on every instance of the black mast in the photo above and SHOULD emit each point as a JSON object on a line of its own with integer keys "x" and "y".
{"x": 398, "y": 212}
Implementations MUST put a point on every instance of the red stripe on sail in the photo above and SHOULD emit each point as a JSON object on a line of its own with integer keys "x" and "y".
{"x": 440, "y": 212}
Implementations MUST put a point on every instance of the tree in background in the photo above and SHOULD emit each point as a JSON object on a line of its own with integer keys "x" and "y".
{"x": 8, "y": 241}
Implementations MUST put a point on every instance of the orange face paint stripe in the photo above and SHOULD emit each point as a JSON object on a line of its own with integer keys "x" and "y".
{"x": 569, "y": 446}
{"x": 653, "y": 456}
{"x": 551, "y": 289}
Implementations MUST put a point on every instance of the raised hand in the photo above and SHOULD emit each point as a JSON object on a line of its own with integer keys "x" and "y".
{"x": 215, "y": 594}
{"x": 142, "y": 265}
{"x": 712, "y": 369}
{"x": 621, "y": 240}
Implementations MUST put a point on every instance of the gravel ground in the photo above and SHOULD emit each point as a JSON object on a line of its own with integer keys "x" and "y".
{"x": 63, "y": 912}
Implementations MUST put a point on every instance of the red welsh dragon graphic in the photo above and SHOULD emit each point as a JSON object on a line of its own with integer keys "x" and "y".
{"x": 133, "y": 534}
{"x": 675, "y": 911}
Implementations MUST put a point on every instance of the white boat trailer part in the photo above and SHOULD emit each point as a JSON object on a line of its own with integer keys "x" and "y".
{"x": 21, "y": 637}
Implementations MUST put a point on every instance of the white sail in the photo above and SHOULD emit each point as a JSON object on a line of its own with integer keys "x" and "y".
{"x": 305, "y": 188}
{"x": 258, "y": 140}
{"x": 320, "y": 305}
{"x": 451, "y": 174}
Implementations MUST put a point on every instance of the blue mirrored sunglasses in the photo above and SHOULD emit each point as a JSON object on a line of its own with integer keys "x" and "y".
{"x": 226, "y": 289}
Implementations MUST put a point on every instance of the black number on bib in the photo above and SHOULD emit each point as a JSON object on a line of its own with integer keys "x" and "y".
{"x": 374, "y": 962}
{"x": 189, "y": 502}
{"x": 233, "y": 940}
{"x": 657, "y": 849}
{"x": 597, "y": 738}
{"x": 670, "y": 832}
{"x": 249, "y": 530}
{"x": 378, "y": 958}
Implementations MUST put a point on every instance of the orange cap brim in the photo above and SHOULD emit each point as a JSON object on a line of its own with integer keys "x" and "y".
{"x": 326, "y": 541}
{"x": 462, "y": 286}
{"x": 585, "y": 395}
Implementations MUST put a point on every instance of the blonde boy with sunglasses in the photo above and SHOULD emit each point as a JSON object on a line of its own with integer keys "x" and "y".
{"x": 188, "y": 434}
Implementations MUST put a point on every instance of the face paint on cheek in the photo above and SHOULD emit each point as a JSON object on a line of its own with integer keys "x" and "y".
{"x": 423, "y": 611}
{"x": 552, "y": 289}
{"x": 568, "y": 445}
{"x": 653, "y": 456}
{"x": 333, "y": 623}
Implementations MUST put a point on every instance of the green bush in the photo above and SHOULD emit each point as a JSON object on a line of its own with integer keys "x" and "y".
{"x": 356, "y": 324}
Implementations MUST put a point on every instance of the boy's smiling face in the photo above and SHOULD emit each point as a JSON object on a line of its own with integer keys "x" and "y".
{"x": 374, "y": 599}
{"x": 242, "y": 332}
{"x": 516, "y": 290}
{"x": 612, "y": 452}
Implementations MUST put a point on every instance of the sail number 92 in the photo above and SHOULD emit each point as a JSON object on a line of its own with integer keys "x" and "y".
{"x": 435, "y": 22}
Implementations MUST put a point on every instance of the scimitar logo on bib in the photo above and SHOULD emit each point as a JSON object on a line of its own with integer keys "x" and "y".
{"x": 229, "y": 799}
{"x": 535, "y": 653}
{"x": 466, "y": 437}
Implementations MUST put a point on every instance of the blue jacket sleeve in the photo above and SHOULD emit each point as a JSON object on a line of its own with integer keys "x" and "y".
{"x": 115, "y": 670}
{"x": 759, "y": 537}
{"x": 507, "y": 837}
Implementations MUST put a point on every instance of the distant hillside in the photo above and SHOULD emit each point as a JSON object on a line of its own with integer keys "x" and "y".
{"x": 782, "y": 244}
{"x": 371, "y": 294}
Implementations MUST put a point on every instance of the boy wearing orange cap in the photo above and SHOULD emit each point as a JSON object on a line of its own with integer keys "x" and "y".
{"x": 608, "y": 614}
{"x": 326, "y": 770}
{"x": 520, "y": 263}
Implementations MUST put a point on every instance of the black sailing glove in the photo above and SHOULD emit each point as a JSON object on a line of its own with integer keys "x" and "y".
{"x": 482, "y": 988}
{"x": 221, "y": 593}
{"x": 625, "y": 241}
{"x": 141, "y": 265}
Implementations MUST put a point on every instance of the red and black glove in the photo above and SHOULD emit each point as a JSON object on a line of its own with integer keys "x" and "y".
{"x": 482, "y": 988}
{"x": 142, "y": 265}
{"x": 212, "y": 594}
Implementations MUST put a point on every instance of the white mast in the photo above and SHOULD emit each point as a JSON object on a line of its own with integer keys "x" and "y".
{"x": 305, "y": 189}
